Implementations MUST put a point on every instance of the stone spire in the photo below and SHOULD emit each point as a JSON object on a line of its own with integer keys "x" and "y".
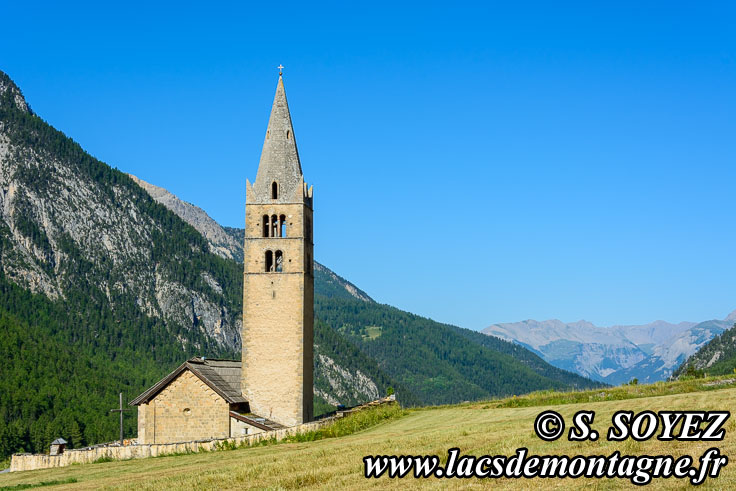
{"x": 280, "y": 157}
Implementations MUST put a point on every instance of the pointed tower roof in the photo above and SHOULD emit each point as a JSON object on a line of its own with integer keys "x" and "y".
{"x": 279, "y": 157}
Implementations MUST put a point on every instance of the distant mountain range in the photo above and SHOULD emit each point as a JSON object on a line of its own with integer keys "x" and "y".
{"x": 613, "y": 355}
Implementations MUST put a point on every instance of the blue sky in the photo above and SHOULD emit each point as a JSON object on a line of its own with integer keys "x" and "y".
{"x": 472, "y": 162}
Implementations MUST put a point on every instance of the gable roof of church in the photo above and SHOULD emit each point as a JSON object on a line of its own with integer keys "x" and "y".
{"x": 222, "y": 376}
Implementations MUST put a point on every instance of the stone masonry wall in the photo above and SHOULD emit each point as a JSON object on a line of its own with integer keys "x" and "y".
{"x": 273, "y": 347}
{"x": 239, "y": 428}
{"x": 143, "y": 410}
{"x": 278, "y": 317}
{"x": 187, "y": 409}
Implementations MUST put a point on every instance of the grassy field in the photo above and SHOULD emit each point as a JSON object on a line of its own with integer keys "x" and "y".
{"x": 493, "y": 427}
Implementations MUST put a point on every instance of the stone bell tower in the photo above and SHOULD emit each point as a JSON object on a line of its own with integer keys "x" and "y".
{"x": 278, "y": 283}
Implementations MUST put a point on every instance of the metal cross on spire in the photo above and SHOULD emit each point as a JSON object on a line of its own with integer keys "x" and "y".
{"x": 280, "y": 67}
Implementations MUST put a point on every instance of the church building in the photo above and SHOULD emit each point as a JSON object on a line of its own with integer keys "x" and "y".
{"x": 272, "y": 385}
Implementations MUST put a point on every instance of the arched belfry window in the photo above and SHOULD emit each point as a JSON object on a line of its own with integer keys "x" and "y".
{"x": 279, "y": 262}
{"x": 274, "y": 226}
{"x": 274, "y": 190}
{"x": 269, "y": 262}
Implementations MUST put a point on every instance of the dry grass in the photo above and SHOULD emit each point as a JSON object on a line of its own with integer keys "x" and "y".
{"x": 475, "y": 428}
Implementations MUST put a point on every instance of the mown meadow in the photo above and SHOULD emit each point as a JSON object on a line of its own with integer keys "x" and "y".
{"x": 333, "y": 457}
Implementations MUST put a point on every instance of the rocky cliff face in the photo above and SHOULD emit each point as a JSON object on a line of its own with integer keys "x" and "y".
{"x": 68, "y": 219}
{"x": 13, "y": 93}
{"x": 343, "y": 384}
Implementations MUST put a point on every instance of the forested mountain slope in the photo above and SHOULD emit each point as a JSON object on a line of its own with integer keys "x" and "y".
{"x": 717, "y": 357}
{"x": 102, "y": 289}
{"x": 440, "y": 363}
{"x": 81, "y": 232}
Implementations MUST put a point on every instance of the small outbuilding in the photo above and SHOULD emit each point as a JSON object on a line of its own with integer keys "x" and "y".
{"x": 58, "y": 446}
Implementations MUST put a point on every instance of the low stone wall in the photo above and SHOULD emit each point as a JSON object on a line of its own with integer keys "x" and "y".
{"x": 27, "y": 462}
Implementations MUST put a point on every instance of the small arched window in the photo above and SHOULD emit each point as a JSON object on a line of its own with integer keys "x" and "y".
{"x": 274, "y": 190}
{"x": 279, "y": 262}
{"x": 288, "y": 134}
{"x": 269, "y": 262}
{"x": 265, "y": 225}
{"x": 282, "y": 226}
